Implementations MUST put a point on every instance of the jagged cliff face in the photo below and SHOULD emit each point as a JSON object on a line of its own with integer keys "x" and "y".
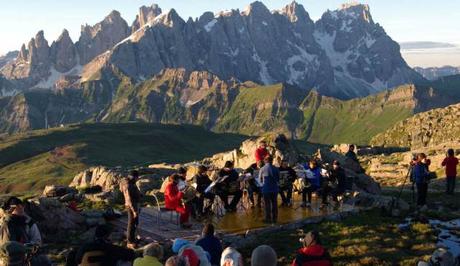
{"x": 344, "y": 54}
{"x": 435, "y": 127}
{"x": 178, "y": 96}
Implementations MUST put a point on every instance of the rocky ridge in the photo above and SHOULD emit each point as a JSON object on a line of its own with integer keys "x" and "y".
{"x": 345, "y": 54}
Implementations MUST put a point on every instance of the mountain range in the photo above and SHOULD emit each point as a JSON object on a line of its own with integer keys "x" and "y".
{"x": 434, "y": 73}
{"x": 344, "y": 54}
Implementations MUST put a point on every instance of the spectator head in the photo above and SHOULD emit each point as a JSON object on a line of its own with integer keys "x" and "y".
{"x": 450, "y": 152}
{"x": 14, "y": 205}
{"x": 284, "y": 163}
{"x": 134, "y": 175}
{"x": 313, "y": 164}
{"x": 228, "y": 165}
{"x": 263, "y": 144}
{"x": 264, "y": 256}
{"x": 178, "y": 244}
{"x": 335, "y": 164}
{"x": 268, "y": 159}
{"x": 103, "y": 232}
{"x": 260, "y": 164}
{"x": 311, "y": 238}
{"x": 191, "y": 257}
{"x": 208, "y": 230}
{"x": 202, "y": 169}
{"x": 176, "y": 261}
{"x": 351, "y": 147}
{"x": 12, "y": 253}
{"x": 231, "y": 257}
{"x": 154, "y": 250}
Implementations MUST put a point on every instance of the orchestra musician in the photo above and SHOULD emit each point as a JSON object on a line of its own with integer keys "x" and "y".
{"x": 253, "y": 187}
{"x": 173, "y": 199}
{"x": 229, "y": 185}
{"x": 287, "y": 178}
{"x": 202, "y": 181}
{"x": 315, "y": 179}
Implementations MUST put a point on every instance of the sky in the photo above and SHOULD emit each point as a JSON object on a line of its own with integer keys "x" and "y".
{"x": 404, "y": 20}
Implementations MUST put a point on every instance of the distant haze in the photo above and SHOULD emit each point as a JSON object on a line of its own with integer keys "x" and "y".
{"x": 430, "y": 54}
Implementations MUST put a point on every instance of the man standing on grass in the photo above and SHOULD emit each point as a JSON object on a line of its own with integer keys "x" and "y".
{"x": 450, "y": 162}
{"x": 270, "y": 176}
{"x": 132, "y": 197}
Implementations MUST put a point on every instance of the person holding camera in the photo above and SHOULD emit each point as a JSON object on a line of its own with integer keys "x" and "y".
{"x": 312, "y": 253}
{"x": 420, "y": 176}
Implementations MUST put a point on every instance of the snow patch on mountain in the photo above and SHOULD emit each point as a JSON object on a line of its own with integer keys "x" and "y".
{"x": 55, "y": 75}
{"x": 208, "y": 27}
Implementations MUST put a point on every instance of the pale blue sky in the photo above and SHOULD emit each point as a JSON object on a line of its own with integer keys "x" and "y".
{"x": 404, "y": 20}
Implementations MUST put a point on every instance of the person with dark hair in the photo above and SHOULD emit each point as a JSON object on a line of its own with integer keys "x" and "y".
{"x": 229, "y": 185}
{"x": 420, "y": 178}
{"x": 312, "y": 253}
{"x": 261, "y": 151}
{"x": 269, "y": 176}
{"x": 202, "y": 181}
{"x": 182, "y": 172}
{"x": 351, "y": 154}
{"x": 102, "y": 251}
{"x": 17, "y": 225}
{"x": 252, "y": 186}
{"x": 287, "y": 178}
{"x": 173, "y": 200}
{"x": 338, "y": 178}
{"x": 210, "y": 244}
{"x": 132, "y": 197}
{"x": 450, "y": 162}
{"x": 12, "y": 254}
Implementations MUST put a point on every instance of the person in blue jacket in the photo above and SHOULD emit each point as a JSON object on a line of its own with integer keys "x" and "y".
{"x": 314, "y": 179}
{"x": 269, "y": 175}
{"x": 420, "y": 178}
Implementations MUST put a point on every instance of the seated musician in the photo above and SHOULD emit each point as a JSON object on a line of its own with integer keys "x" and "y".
{"x": 202, "y": 181}
{"x": 173, "y": 200}
{"x": 287, "y": 178}
{"x": 339, "y": 178}
{"x": 252, "y": 184}
{"x": 315, "y": 179}
{"x": 229, "y": 186}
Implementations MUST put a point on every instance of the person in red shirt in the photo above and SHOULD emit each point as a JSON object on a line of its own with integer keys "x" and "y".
{"x": 450, "y": 162}
{"x": 262, "y": 151}
{"x": 173, "y": 200}
{"x": 312, "y": 253}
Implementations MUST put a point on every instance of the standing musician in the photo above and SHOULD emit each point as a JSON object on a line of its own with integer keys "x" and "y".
{"x": 229, "y": 185}
{"x": 287, "y": 178}
{"x": 252, "y": 185}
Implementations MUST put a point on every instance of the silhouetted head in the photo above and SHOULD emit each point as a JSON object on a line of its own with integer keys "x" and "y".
{"x": 175, "y": 178}
{"x": 133, "y": 176}
{"x": 351, "y": 147}
{"x": 154, "y": 250}
{"x": 268, "y": 159}
{"x": 202, "y": 169}
{"x": 208, "y": 230}
{"x": 228, "y": 165}
{"x": 335, "y": 164}
{"x": 14, "y": 205}
{"x": 284, "y": 163}
{"x": 264, "y": 255}
{"x": 450, "y": 152}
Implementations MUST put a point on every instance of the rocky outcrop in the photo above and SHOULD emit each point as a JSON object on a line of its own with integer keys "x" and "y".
{"x": 10, "y": 56}
{"x": 146, "y": 15}
{"x": 279, "y": 147}
{"x": 105, "y": 178}
{"x": 431, "y": 128}
{"x": 101, "y": 37}
{"x": 63, "y": 53}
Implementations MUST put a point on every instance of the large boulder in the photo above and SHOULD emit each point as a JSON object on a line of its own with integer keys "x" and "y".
{"x": 58, "y": 191}
{"x": 278, "y": 145}
{"x": 104, "y": 177}
{"x": 368, "y": 200}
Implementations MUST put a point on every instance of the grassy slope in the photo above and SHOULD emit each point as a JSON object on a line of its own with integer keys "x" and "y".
{"x": 29, "y": 161}
{"x": 365, "y": 239}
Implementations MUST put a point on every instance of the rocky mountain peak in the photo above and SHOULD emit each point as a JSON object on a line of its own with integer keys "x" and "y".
{"x": 296, "y": 12}
{"x": 357, "y": 10}
{"x": 63, "y": 52}
{"x": 256, "y": 8}
{"x": 170, "y": 19}
{"x": 146, "y": 15}
{"x": 23, "y": 53}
